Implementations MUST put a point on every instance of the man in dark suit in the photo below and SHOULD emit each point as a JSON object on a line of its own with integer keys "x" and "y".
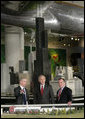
{"x": 44, "y": 93}
{"x": 64, "y": 94}
{"x": 21, "y": 93}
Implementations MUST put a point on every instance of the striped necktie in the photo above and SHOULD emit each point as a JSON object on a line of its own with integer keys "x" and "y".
{"x": 42, "y": 90}
{"x": 59, "y": 93}
{"x": 24, "y": 96}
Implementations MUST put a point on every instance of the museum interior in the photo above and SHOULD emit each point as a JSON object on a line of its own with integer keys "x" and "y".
{"x": 42, "y": 37}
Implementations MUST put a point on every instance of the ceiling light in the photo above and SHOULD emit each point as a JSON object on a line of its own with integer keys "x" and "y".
{"x": 64, "y": 44}
{"x": 72, "y": 38}
{"x": 75, "y": 39}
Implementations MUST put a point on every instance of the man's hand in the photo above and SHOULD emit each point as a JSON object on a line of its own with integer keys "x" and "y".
{"x": 21, "y": 92}
{"x": 69, "y": 103}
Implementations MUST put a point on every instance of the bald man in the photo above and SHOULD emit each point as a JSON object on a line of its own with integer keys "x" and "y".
{"x": 44, "y": 93}
{"x": 21, "y": 92}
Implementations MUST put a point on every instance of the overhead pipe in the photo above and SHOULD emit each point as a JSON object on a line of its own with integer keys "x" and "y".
{"x": 17, "y": 20}
{"x": 23, "y": 21}
{"x": 62, "y": 22}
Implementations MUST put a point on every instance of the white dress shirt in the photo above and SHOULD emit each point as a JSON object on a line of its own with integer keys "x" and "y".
{"x": 41, "y": 86}
{"x": 62, "y": 89}
{"x": 23, "y": 88}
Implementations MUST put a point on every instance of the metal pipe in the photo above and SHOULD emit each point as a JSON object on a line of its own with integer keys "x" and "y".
{"x": 17, "y": 20}
{"x": 45, "y": 105}
{"x": 60, "y": 18}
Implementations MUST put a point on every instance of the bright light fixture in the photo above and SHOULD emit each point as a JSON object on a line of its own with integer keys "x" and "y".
{"x": 72, "y": 38}
{"x": 75, "y": 39}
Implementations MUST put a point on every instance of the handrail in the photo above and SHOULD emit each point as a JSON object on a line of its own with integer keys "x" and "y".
{"x": 46, "y": 105}
{"x": 33, "y": 98}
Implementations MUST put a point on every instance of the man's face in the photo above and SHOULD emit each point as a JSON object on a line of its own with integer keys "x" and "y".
{"x": 42, "y": 80}
{"x": 23, "y": 82}
{"x": 61, "y": 83}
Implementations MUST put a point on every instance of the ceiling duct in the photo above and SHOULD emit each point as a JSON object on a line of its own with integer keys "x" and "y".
{"x": 59, "y": 18}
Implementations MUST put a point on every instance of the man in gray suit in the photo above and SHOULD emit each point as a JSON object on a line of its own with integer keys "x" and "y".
{"x": 21, "y": 93}
{"x": 44, "y": 93}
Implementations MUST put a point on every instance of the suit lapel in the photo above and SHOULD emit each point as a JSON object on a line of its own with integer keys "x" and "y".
{"x": 44, "y": 89}
{"x": 19, "y": 87}
{"x": 39, "y": 90}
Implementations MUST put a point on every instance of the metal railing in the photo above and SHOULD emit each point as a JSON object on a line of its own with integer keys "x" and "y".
{"x": 40, "y": 107}
{"x": 46, "y": 105}
{"x": 75, "y": 99}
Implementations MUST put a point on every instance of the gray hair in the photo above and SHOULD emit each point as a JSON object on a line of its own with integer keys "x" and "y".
{"x": 41, "y": 76}
{"x": 20, "y": 79}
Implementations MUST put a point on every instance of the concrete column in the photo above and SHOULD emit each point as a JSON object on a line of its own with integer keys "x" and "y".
{"x": 14, "y": 46}
{"x": 5, "y": 79}
{"x": 31, "y": 58}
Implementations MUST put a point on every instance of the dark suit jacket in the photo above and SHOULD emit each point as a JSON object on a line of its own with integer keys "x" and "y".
{"x": 19, "y": 97}
{"x": 66, "y": 95}
{"x": 48, "y": 95}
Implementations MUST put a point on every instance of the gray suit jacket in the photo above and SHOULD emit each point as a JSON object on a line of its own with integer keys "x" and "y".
{"x": 48, "y": 95}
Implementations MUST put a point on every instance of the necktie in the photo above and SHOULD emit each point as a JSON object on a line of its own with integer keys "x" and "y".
{"x": 42, "y": 90}
{"x": 24, "y": 96}
{"x": 59, "y": 93}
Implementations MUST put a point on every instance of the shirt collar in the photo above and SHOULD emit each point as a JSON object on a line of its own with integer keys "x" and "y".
{"x": 62, "y": 88}
{"x": 42, "y": 85}
{"x": 22, "y": 87}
